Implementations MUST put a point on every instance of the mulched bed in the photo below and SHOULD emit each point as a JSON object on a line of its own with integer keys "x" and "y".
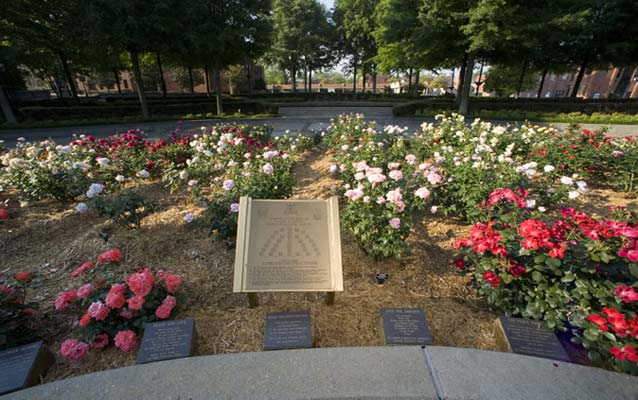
{"x": 51, "y": 240}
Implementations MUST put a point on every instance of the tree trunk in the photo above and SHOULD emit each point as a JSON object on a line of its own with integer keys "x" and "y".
{"x": 479, "y": 82}
{"x": 207, "y": 78}
{"x": 69, "y": 78}
{"x": 363, "y": 81}
{"x": 409, "y": 81}
{"x": 310, "y": 79}
{"x": 520, "y": 79}
{"x": 579, "y": 78}
{"x": 374, "y": 81}
{"x": 354, "y": 81}
{"x": 138, "y": 82}
{"x": 416, "y": 81}
{"x": 6, "y": 108}
{"x": 116, "y": 75}
{"x": 161, "y": 73}
{"x": 459, "y": 88}
{"x": 293, "y": 78}
{"x": 467, "y": 83}
{"x": 190, "y": 79}
{"x": 540, "y": 86}
{"x": 218, "y": 89}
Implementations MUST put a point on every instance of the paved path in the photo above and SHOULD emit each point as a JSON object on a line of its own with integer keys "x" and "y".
{"x": 394, "y": 372}
{"x": 294, "y": 119}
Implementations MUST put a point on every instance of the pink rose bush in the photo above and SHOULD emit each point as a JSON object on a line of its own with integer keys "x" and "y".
{"x": 114, "y": 311}
{"x": 17, "y": 325}
{"x": 574, "y": 271}
{"x": 385, "y": 187}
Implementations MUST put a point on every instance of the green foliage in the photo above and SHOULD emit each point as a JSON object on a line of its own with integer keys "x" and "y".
{"x": 505, "y": 79}
{"x": 561, "y": 271}
{"x": 16, "y": 324}
{"x": 126, "y": 208}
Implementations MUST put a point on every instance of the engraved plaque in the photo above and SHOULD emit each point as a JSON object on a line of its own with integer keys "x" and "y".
{"x": 166, "y": 340}
{"x": 22, "y": 366}
{"x": 528, "y": 337}
{"x": 405, "y": 326}
{"x": 288, "y": 330}
{"x": 288, "y": 245}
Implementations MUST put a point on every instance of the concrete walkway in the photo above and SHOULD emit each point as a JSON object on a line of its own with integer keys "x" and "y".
{"x": 431, "y": 373}
{"x": 293, "y": 119}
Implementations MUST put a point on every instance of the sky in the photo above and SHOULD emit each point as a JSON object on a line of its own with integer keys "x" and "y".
{"x": 327, "y": 3}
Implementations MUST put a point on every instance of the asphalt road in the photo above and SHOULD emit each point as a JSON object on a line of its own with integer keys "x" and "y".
{"x": 293, "y": 119}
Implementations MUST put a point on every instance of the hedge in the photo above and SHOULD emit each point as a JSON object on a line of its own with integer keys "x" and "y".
{"x": 118, "y": 111}
{"x": 557, "y": 105}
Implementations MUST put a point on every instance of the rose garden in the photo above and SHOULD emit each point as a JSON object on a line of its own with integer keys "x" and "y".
{"x": 100, "y": 237}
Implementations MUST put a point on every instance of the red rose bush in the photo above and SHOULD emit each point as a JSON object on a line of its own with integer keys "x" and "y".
{"x": 572, "y": 271}
{"x": 115, "y": 310}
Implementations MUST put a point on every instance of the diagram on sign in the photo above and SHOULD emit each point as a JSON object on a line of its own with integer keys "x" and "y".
{"x": 289, "y": 242}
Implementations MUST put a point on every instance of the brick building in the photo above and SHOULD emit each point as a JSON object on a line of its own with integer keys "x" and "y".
{"x": 615, "y": 82}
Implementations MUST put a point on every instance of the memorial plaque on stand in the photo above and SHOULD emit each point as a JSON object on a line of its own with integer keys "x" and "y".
{"x": 528, "y": 337}
{"x": 288, "y": 330}
{"x": 288, "y": 245}
{"x": 22, "y": 366}
{"x": 166, "y": 340}
{"x": 405, "y": 326}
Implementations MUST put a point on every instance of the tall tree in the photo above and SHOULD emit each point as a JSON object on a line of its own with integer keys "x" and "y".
{"x": 49, "y": 25}
{"x": 302, "y": 37}
{"x": 356, "y": 23}
{"x": 133, "y": 25}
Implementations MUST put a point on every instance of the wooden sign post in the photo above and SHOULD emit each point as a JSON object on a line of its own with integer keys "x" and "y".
{"x": 288, "y": 246}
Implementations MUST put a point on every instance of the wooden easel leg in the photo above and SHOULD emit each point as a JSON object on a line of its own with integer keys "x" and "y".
{"x": 330, "y": 298}
{"x": 252, "y": 300}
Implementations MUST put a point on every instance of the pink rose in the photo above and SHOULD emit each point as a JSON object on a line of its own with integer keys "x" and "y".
{"x": 64, "y": 299}
{"x": 126, "y": 341}
{"x": 395, "y": 223}
{"x": 73, "y": 350}
{"x": 136, "y": 303}
{"x": 85, "y": 291}
{"x": 163, "y": 312}
{"x": 422, "y": 193}
{"x": 101, "y": 340}
{"x": 173, "y": 282}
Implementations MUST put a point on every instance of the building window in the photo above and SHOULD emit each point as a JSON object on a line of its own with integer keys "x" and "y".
{"x": 596, "y": 96}
{"x": 548, "y": 93}
{"x": 552, "y": 77}
{"x": 564, "y": 77}
{"x": 125, "y": 83}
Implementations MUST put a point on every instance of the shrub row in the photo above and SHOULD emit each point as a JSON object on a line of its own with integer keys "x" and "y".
{"x": 558, "y": 105}
{"x": 108, "y": 111}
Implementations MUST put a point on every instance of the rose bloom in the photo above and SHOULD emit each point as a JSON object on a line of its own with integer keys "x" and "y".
{"x": 115, "y": 299}
{"x": 141, "y": 282}
{"x": 173, "y": 282}
{"x": 85, "y": 320}
{"x": 82, "y": 269}
{"x": 73, "y": 350}
{"x": 268, "y": 169}
{"x": 422, "y": 193}
{"x": 136, "y": 302}
{"x": 163, "y": 312}
{"x": 395, "y": 174}
{"x": 126, "y": 341}
{"x": 228, "y": 184}
{"x": 234, "y": 207}
{"x": 112, "y": 256}
{"x": 101, "y": 341}
{"x": 22, "y": 276}
{"x": 84, "y": 291}
{"x": 395, "y": 223}
{"x": 64, "y": 299}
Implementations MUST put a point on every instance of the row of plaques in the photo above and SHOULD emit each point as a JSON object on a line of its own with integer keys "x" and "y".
{"x": 24, "y": 366}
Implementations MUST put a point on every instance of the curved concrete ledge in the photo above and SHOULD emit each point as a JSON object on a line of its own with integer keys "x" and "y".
{"x": 347, "y": 373}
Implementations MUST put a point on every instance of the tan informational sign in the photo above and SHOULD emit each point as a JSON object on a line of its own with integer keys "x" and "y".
{"x": 288, "y": 246}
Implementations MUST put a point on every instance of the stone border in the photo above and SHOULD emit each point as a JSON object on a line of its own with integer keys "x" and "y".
{"x": 406, "y": 372}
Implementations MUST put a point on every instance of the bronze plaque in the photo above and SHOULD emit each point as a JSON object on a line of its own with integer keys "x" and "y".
{"x": 288, "y": 246}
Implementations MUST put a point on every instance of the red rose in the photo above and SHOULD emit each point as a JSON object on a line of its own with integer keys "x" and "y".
{"x": 491, "y": 278}
{"x": 101, "y": 340}
{"x": 85, "y": 320}
{"x": 459, "y": 262}
{"x": 23, "y": 276}
{"x": 112, "y": 256}
{"x": 4, "y": 214}
{"x": 601, "y": 322}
